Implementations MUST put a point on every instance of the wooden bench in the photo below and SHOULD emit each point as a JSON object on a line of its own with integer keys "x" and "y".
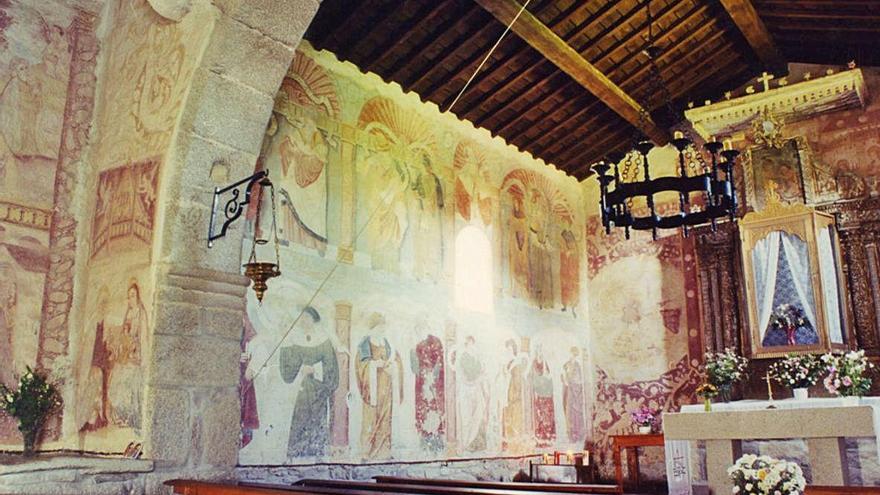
{"x": 499, "y": 485}
{"x": 344, "y": 487}
{"x": 439, "y": 489}
{"x": 841, "y": 490}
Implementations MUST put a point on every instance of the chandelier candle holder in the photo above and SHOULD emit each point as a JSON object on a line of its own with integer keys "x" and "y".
{"x": 259, "y": 272}
{"x": 716, "y": 187}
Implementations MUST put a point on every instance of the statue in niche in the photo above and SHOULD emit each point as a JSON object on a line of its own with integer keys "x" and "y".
{"x": 378, "y": 370}
{"x": 311, "y": 365}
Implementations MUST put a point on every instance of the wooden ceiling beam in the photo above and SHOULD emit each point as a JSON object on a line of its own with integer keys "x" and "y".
{"x": 401, "y": 36}
{"x": 347, "y": 45}
{"x": 454, "y": 22}
{"x": 755, "y": 32}
{"x": 666, "y": 53}
{"x": 535, "y": 64}
{"x": 605, "y": 53}
{"x": 546, "y": 42}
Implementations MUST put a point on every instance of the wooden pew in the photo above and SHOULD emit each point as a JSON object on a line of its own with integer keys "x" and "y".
{"x": 841, "y": 490}
{"x": 337, "y": 487}
{"x": 460, "y": 487}
{"x": 499, "y": 485}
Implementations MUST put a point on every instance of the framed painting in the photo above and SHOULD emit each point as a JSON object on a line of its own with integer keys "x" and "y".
{"x": 792, "y": 167}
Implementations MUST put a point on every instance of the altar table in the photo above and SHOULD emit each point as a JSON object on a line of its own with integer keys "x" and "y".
{"x": 823, "y": 423}
{"x": 632, "y": 443}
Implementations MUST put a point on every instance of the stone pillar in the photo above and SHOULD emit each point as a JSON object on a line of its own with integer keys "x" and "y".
{"x": 826, "y": 461}
{"x": 339, "y": 422}
{"x": 192, "y": 409}
{"x": 721, "y": 454}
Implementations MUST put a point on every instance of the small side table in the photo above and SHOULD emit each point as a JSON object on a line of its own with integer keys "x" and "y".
{"x": 632, "y": 442}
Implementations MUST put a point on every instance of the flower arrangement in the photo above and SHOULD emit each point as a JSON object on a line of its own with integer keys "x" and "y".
{"x": 788, "y": 318}
{"x": 846, "y": 373}
{"x": 30, "y": 403}
{"x": 725, "y": 368}
{"x": 797, "y": 371}
{"x": 644, "y": 416}
{"x": 707, "y": 392}
{"x": 763, "y": 475}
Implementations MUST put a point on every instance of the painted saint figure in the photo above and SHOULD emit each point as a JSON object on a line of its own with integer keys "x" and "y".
{"x": 514, "y": 414}
{"x": 310, "y": 364}
{"x": 573, "y": 397}
{"x": 124, "y": 345}
{"x": 98, "y": 379}
{"x": 376, "y": 378}
{"x": 542, "y": 400}
{"x": 473, "y": 403}
{"x": 540, "y": 264}
{"x": 427, "y": 364}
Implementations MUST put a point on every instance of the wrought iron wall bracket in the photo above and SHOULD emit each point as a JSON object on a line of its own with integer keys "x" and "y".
{"x": 234, "y": 206}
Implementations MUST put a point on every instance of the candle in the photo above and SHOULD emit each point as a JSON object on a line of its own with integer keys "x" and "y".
{"x": 712, "y": 139}
{"x": 546, "y": 458}
{"x": 728, "y": 144}
{"x": 570, "y": 457}
{"x": 586, "y": 458}
{"x": 678, "y": 135}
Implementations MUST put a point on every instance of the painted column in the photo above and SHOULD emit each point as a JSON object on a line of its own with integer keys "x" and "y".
{"x": 339, "y": 418}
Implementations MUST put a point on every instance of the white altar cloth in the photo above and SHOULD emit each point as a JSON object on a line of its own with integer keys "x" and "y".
{"x": 678, "y": 471}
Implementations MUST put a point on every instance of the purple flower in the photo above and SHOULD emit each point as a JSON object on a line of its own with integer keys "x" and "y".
{"x": 847, "y": 381}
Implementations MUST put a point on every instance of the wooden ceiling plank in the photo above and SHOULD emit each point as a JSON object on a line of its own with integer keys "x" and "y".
{"x": 452, "y": 23}
{"x": 372, "y": 25}
{"x": 668, "y": 51}
{"x": 343, "y": 25}
{"x": 753, "y": 29}
{"x": 464, "y": 42}
{"x": 401, "y": 36}
{"x": 525, "y": 92}
{"x": 624, "y": 41}
{"x": 514, "y": 119}
{"x": 486, "y": 75}
{"x": 609, "y": 134}
{"x": 570, "y": 61}
{"x": 819, "y": 16}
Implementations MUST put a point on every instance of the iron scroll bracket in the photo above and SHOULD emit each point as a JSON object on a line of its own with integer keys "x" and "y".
{"x": 234, "y": 206}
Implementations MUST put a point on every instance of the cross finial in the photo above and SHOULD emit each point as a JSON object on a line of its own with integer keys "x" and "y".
{"x": 765, "y": 78}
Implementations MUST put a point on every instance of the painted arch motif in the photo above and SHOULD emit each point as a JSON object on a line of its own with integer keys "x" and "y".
{"x": 474, "y": 189}
{"x": 406, "y": 201}
{"x": 540, "y": 237}
{"x": 299, "y": 151}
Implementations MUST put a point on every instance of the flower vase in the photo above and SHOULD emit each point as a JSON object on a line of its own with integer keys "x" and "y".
{"x": 644, "y": 430}
{"x": 724, "y": 392}
{"x": 707, "y": 405}
{"x": 850, "y": 400}
{"x": 29, "y": 437}
{"x": 801, "y": 393}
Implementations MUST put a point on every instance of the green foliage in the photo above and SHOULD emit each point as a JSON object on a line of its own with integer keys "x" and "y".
{"x": 725, "y": 368}
{"x": 31, "y": 402}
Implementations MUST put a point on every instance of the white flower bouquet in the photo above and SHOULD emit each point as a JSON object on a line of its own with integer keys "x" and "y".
{"x": 764, "y": 475}
{"x": 846, "y": 373}
{"x": 797, "y": 371}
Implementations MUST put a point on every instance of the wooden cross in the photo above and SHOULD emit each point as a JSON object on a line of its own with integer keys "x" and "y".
{"x": 765, "y": 78}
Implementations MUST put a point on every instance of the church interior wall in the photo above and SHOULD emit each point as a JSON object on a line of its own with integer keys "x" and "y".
{"x": 455, "y": 273}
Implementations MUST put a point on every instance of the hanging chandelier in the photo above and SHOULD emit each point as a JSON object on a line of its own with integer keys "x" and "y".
{"x": 712, "y": 183}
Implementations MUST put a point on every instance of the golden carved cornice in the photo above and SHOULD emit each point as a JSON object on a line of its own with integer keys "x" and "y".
{"x": 787, "y": 103}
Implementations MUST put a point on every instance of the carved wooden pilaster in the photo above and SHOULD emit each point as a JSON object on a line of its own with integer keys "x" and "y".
{"x": 720, "y": 291}
{"x": 858, "y": 224}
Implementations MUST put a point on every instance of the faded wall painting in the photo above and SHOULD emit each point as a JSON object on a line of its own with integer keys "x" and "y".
{"x": 38, "y": 52}
{"x": 430, "y": 336}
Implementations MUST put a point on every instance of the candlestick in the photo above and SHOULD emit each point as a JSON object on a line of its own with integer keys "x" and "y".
{"x": 728, "y": 144}
{"x": 678, "y": 135}
{"x": 769, "y": 391}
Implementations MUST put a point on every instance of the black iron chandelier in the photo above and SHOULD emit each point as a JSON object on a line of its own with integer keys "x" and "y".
{"x": 712, "y": 183}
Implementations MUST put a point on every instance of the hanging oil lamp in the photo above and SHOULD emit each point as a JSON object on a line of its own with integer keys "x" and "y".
{"x": 261, "y": 271}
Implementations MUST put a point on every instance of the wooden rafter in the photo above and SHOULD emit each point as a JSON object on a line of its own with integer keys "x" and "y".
{"x": 454, "y": 49}
{"x": 454, "y": 22}
{"x": 383, "y": 15}
{"x": 536, "y": 62}
{"x": 546, "y": 42}
{"x": 753, "y": 29}
{"x": 401, "y": 36}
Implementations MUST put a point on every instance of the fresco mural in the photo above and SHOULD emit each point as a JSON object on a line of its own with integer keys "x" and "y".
{"x": 410, "y": 322}
{"x": 35, "y": 64}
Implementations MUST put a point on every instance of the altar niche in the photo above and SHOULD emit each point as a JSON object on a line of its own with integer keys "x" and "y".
{"x": 795, "y": 289}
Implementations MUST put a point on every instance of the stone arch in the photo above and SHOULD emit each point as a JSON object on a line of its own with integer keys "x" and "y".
{"x": 192, "y": 401}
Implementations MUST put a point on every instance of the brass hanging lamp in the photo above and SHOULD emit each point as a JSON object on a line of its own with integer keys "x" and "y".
{"x": 259, "y": 272}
